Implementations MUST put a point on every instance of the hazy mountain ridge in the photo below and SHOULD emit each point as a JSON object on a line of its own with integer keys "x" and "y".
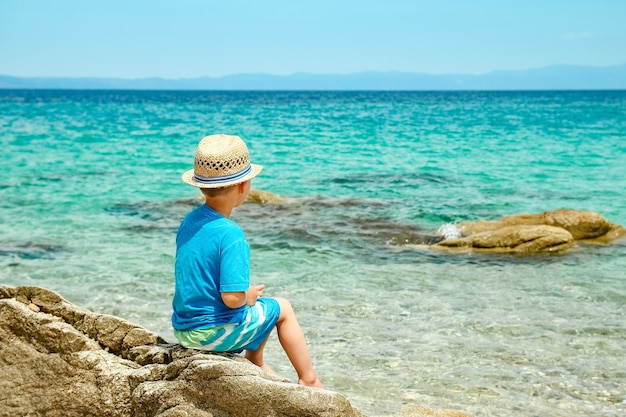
{"x": 557, "y": 77}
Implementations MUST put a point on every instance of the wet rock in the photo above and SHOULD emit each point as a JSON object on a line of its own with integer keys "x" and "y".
{"x": 519, "y": 238}
{"x": 65, "y": 360}
{"x": 581, "y": 224}
{"x": 554, "y": 230}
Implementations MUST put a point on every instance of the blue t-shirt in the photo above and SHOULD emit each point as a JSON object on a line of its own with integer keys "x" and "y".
{"x": 212, "y": 256}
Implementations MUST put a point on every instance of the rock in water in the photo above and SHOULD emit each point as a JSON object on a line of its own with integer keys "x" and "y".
{"x": 516, "y": 239}
{"x": 264, "y": 197}
{"x": 580, "y": 223}
{"x": 548, "y": 231}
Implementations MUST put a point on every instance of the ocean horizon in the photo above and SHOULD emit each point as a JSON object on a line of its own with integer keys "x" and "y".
{"x": 91, "y": 198}
{"x": 549, "y": 78}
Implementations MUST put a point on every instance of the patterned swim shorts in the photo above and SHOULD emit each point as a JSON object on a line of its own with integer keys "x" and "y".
{"x": 257, "y": 324}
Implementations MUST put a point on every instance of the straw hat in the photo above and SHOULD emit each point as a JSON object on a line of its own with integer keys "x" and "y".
{"x": 221, "y": 160}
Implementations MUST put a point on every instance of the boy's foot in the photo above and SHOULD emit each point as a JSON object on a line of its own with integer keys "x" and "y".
{"x": 267, "y": 369}
{"x": 314, "y": 383}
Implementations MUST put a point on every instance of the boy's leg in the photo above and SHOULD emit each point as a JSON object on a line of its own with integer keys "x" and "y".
{"x": 293, "y": 342}
{"x": 256, "y": 357}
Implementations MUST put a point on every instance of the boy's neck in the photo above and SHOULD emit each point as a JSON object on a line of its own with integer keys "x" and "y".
{"x": 220, "y": 206}
{"x": 225, "y": 203}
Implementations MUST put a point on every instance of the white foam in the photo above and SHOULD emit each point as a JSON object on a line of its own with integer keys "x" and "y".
{"x": 449, "y": 231}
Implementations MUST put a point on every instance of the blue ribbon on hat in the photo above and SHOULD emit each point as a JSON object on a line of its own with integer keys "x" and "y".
{"x": 222, "y": 178}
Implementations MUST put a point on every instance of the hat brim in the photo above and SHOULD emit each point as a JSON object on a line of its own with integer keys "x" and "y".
{"x": 188, "y": 177}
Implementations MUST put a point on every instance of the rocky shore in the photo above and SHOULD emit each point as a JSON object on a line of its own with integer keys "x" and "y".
{"x": 58, "y": 359}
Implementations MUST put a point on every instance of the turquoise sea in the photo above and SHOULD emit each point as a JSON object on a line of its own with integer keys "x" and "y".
{"x": 91, "y": 196}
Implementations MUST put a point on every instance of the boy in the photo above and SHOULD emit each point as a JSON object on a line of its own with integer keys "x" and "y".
{"x": 215, "y": 307}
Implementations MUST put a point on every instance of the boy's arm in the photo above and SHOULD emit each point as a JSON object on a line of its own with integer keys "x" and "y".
{"x": 239, "y": 299}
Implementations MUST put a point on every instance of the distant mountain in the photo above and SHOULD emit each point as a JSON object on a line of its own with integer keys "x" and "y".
{"x": 558, "y": 77}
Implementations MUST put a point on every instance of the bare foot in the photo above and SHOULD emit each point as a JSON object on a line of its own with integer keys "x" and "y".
{"x": 316, "y": 383}
{"x": 267, "y": 369}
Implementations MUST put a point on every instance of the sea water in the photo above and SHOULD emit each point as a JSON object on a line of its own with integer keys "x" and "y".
{"x": 91, "y": 197}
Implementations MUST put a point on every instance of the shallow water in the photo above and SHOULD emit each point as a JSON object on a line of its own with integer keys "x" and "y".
{"x": 91, "y": 198}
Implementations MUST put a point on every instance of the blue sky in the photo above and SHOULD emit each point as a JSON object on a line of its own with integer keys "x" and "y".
{"x": 194, "y": 38}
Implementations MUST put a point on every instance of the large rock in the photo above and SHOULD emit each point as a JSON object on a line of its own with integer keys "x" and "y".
{"x": 58, "y": 359}
{"x": 515, "y": 239}
{"x": 547, "y": 231}
{"x": 580, "y": 223}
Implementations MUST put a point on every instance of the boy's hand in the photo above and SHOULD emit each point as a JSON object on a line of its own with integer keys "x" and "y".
{"x": 254, "y": 292}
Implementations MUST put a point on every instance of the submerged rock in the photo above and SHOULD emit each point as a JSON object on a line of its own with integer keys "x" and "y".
{"x": 548, "y": 231}
{"x": 61, "y": 360}
{"x": 264, "y": 197}
{"x": 29, "y": 250}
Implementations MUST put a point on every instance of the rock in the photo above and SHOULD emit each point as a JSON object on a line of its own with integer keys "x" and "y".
{"x": 581, "y": 224}
{"x": 616, "y": 232}
{"x": 67, "y": 361}
{"x": 554, "y": 230}
{"x": 264, "y": 197}
{"x": 515, "y": 239}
